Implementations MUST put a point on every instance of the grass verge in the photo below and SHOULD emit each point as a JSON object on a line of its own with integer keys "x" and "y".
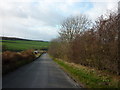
{"x": 90, "y": 77}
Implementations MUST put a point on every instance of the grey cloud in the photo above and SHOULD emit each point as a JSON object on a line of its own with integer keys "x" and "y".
{"x": 35, "y": 20}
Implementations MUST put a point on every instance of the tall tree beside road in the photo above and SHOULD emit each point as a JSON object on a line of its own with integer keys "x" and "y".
{"x": 73, "y": 26}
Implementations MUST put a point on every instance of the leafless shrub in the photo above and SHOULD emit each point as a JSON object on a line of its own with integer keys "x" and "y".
{"x": 94, "y": 47}
{"x": 12, "y": 60}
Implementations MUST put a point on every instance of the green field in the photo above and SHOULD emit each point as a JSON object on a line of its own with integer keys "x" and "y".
{"x": 19, "y": 45}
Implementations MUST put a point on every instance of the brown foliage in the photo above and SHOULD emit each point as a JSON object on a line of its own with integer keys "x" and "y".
{"x": 96, "y": 47}
{"x": 12, "y": 60}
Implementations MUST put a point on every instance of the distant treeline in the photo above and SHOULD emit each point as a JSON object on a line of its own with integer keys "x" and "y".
{"x": 14, "y": 38}
{"x": 89, "y": 44}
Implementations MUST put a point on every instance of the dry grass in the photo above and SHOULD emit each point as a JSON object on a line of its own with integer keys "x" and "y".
{"x": 13, "y": 60}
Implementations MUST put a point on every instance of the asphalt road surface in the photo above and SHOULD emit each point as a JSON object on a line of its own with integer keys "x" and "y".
{"x": 42, "y": 73}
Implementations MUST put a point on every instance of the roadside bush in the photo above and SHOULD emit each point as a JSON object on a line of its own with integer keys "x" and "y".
{"x": 12, "y": 60}
{"x": 94, "y": 47}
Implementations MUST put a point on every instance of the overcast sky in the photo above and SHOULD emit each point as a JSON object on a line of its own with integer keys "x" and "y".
{"x": 40, "y": 19}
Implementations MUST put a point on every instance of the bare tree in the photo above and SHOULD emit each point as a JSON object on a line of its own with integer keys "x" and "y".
{"x": 73, "y": 26}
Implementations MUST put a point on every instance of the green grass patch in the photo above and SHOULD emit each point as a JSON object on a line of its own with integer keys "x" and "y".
{"x": 20, "y": 45}
{"x": 89, "y": 77}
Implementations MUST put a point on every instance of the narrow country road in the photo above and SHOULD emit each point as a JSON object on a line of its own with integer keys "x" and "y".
{"x": 42, "y": 73}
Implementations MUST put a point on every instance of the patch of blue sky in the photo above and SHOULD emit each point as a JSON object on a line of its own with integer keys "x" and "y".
{"x": 80, "y": 7}
{"x": 83, "y": 7}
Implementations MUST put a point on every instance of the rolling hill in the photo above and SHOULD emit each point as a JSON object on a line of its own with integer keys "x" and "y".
{"x": 19, "y": 44}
